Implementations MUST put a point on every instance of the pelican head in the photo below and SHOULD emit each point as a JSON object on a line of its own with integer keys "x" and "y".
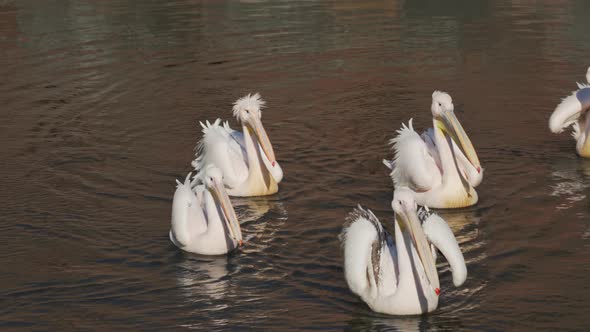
{"x": 445, "y": 120}
{"x": 212, "y": 178}
{"x": 248, "y": 110}
{"x": 405, "y": 209}
{"x": 441, "y": 103}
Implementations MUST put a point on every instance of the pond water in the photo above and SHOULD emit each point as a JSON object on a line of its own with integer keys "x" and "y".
{"x": 100, "y": 110}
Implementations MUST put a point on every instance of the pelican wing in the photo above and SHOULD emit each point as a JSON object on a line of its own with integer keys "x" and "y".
{"x": 414, "y": 165}
{"x": 222, "y": 147}
{"x": 188, "y": 218}
{"x": 569, "y": 110}
{"x": 196, "y": 216}
{"x": 363, "y": 240}
{"x": 428, "y": 138}
{"x": 438, "y": 233}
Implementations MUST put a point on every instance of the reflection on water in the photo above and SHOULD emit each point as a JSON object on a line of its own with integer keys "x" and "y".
{"x": 261, "y": 218}
{"x": 101, "y": 103}
{"x": 208, "y": 282}
{"x": 202, "y": 277}
{"x": 249, "y": 209}
{"x": 572, "y": 178}
{"x": 368, "y": 321}
{"x": 409, "y": 324}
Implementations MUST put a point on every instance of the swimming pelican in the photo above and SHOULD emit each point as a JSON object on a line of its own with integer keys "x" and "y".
{"x": 246, "y": 158}
{"x": 204, "y": 221}
{"x": 432, "y": 165}
{"x": 574, "y": 110}
{"x": 391, "y": 266}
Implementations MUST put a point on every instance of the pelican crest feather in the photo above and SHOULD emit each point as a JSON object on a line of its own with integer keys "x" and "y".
{"x": 248, "y": 102}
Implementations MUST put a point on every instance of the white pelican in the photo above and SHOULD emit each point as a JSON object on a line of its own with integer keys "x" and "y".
{"x": 204, "y": 221}
{"x": 432, "y": 165}
{"x": 246, "y": 158}
{"x": 575, "y": 110}
{"x": 394, "y": 270}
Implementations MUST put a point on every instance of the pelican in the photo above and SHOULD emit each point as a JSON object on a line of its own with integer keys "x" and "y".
{"x": 574, "y": 110}
{"x": 246, "y": 158}
{"x": 203, "y": 220}
{"x": 392, "y": 266}
{"x": 441, "y": 166}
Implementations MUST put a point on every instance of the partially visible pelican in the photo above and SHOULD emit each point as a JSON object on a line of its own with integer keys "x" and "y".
{"x": 574, "y": 110}
{"x": 204, "y": 221}
{"x": 246, "y": 158}
{"x": 392, "y": 266}
{"x": 433, "y": 165}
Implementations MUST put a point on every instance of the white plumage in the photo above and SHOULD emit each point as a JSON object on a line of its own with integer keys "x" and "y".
{"x": 414, "y": 164}
{"x": 387, "y": 268}
{"x": 248, "y": 102}
{"x": 433, "y": 164}
{"x": 573, "y": 111}
{"x": 221, "y": 146}
{"x": 203, "y": 218}
{"x": 246, "y": 158}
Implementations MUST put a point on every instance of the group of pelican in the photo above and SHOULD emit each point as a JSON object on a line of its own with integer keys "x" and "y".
{"x": 228, "y": 163}
{"x": 391, "y": 266}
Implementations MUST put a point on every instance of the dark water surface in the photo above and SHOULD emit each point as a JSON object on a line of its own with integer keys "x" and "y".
{"x": 100, "y": 105}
